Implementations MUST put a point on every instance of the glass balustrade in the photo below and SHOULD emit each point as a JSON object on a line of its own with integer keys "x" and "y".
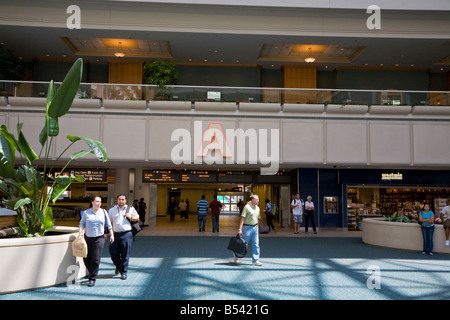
{"x": 108, "y": 91}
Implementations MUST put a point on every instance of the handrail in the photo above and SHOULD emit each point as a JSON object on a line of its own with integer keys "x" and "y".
{"x": 282, "y": 96}
{"x": 231, "y": 87}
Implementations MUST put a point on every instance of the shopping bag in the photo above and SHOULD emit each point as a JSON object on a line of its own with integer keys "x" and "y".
{"x": 79, "y": 247}
{"x": 238, "y": 245}
{"x": 264, "y": 229}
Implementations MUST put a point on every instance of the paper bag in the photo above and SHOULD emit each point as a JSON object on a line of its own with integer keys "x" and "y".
{"x": 79, "y": 247}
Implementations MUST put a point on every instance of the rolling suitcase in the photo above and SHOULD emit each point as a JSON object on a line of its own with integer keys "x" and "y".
{"x": 264, "y": 229}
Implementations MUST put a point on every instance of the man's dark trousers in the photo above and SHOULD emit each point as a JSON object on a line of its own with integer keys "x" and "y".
{"x": 120, "y": 250}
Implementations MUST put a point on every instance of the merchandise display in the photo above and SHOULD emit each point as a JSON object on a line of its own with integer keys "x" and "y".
{"x": 364, "y": 202}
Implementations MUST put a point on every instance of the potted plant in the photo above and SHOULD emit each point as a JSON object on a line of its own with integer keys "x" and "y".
{"x": 41, "y": 261}
{"x": 11, "y": 68}
{"x": 24, "y": 186}
{"x": 162, "y": 73}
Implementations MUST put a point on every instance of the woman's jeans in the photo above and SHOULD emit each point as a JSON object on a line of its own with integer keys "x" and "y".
{"x": 250, "y": 233}
{"x": 427, "y": 233}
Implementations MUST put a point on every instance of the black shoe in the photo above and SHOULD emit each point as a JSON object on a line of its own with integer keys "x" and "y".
{"x": 116, "y": 271}
{"x": 199, "y": 230}
{"x": 123, "y": 276}
{"x": 91, "y": 283}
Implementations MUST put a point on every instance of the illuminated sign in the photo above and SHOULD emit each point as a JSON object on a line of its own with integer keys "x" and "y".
{"x": 160, "y": 176}
{"x": 391, "y": 176}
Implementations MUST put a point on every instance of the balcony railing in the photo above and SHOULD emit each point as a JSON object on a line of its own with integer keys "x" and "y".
{"x": 109, "y": 91}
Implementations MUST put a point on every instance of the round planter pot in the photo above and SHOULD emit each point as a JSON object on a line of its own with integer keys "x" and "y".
{"x": 398, "y": 235}
{"x": 31, "y": 263}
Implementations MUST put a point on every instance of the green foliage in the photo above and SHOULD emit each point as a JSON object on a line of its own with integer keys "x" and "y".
{"x": 11, "y": 67}
{"x": 162, "y": 73}
{"x": 24, "y": 186}
{"x": 397, "y": 218}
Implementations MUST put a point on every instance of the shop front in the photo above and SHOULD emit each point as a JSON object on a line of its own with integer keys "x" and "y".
{"x": 346, "y": 196}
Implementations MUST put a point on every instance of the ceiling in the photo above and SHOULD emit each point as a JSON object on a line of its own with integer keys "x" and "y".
{"x": 235, "y": 47}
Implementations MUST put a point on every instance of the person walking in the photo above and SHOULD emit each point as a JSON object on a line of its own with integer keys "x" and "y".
{"x": 297, "y": 212}
{"x": 121, "y": 216}
{"x": 445, "y": 218}
{"x": 141, "y": 211}
{"x": 426, "y": 218}
{"x": 309, "y": 214}
{"x": 92, "y": 226}
{"x": 202, "y": 206}
{"x": 215, "y": 207}
{"x": 183, "y": 210}
{"x": 270, "y": 215}
{"x": 248, "y": 228}
{"x": 171, "y": 208}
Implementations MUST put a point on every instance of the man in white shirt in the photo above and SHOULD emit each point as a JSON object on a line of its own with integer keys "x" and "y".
{"x": 445, "y": 217}
{"x": 120, "y": 216}
{"x": 297, "y": 212}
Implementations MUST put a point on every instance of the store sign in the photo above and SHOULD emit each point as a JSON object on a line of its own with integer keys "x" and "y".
{"x": 391, "y": 176}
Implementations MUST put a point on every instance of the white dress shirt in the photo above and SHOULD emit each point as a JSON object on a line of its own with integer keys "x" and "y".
{"x": 117, "y": 216}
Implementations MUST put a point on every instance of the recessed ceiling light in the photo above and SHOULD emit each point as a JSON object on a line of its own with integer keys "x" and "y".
{"x": 205, "y": 60}
{"x": 366, "y": 64}
{"x": 381, "y": 64}
{"x": 237, "y": 61}
{"x": 412, "y": 64}
{"x": 190, "y": 60}
{"x": 396, "y": 64}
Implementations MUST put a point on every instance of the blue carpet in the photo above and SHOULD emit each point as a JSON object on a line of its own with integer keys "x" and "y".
{"x": 201, "y": 268}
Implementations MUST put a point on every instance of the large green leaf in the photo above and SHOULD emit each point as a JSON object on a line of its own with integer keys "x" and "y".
{"x": 25, "y": 148}
{"x": 8, "y": 145}
{"x": 97, "y": 148}
{"x": 48, "y": 221}
{"x": 63, "y": 99}
{"x": 45, "y": 131}
{"x": 62, "y": 183}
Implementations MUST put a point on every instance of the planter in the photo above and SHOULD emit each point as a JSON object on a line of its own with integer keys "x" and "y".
{"x": 31, "y": 263}
{"x": 398, "y": 235}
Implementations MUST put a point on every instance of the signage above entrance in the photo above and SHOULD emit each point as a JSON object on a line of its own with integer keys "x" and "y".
{"x": 391, "y": 176}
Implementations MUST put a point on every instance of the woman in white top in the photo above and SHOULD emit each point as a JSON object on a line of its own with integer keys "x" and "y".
{"x": 309, "y": 214}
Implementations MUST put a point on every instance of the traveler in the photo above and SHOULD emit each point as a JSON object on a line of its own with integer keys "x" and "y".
{"x": 445, "y": 217}
{"x": 121, "y": 216}
{"x": 426, "y": 218}
{"x": 171, "y": 208}
{"x": 297, "y": 212}
{"x": 141, "y": 211}
{"x": 270, "y": 214}
{"x": 215, "y": 207}
{"x": 309, "y": 214}
{"x": 183, "y": 210}
{"x": 248, "y": 227}
{"x": 202, "y": 206}
{"x": 92, "y": 226}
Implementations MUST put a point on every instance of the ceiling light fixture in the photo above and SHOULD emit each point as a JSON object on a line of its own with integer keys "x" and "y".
{"x": 119, "y": 52}
{"x": 309, "y": 58}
